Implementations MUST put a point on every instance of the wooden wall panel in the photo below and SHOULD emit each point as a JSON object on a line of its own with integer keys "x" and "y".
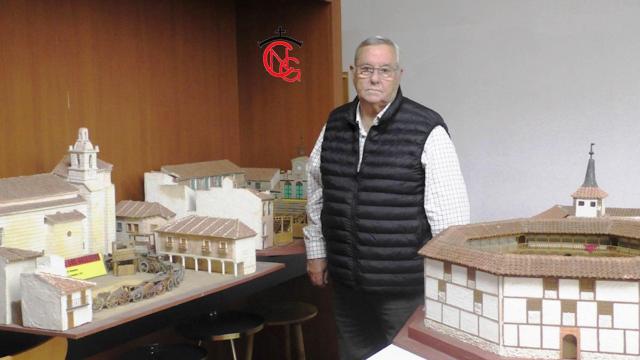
{"x": 154, "y": 81}
{"x": 276, "y": 117}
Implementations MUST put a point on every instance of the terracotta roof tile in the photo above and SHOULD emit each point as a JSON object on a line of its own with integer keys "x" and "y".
{"x": 455, "y": 245}
{"x": 209, "y": 227}
{"x": 589, "y": 193}
{"x": 260, "y": 174}
{"x": 14, "y": 254}
{"x": 202, "y": 169}
{"x": 622, "y": 212}
{"x": 41, "y": 205}
{"x": 64, "y": 285}
{"x": 142, "y": 209}
{"x": 555, "y": 212}
{"x": 33, "y": 187}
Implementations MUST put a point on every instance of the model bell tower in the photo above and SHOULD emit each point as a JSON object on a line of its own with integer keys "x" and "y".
{"x": 83, "y": 157}
{"x": 588, "y": 200}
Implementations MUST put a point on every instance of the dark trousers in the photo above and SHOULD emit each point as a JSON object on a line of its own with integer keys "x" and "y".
{"x": 367, "y": 322}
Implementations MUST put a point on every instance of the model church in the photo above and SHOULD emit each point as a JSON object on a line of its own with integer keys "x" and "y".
{"x": 69, "y": 212}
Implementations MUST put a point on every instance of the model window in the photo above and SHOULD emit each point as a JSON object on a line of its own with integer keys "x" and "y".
{"x": 270, "y": 207}
{"x": 194, "y": 184}
{"x": 119, "y": 226}
{"x": 222, "y": 248}
{"x": 257, "y": 185}
{"x": 299, "y": 190}
{"x": 217, "y": 181}
{"x": 287, "y": 190}
{"x": 593, "y": 204}
{"x": 580, "y": 203}
{"x": 129, "y": 227}
{"x": 206, "y": 247}
{"x": 135, "y": 228}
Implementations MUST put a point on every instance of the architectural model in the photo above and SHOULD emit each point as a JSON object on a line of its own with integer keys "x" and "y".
{"x": 137, "y": 220}
{"x": 253, "y": 208}
{"x": 263, "y": 179}
{"x": 55, "y": 302}
{"x": 293, "y": 183}
{"x": 13, "y": 262}
{"x": 220, "y": 245}
{"x": 69, "y": 212}
{"x": 543, "y": 288}
{"x": 174, "y": 186}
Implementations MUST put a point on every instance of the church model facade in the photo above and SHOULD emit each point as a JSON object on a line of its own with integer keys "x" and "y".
{"x": 69, "y": 212}
{"x": 548, "y": 287}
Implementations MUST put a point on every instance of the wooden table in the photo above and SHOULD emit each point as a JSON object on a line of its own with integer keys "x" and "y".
{"x": 198, "y": 291}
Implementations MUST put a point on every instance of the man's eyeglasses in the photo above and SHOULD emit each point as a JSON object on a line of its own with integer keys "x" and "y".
{"x": 366, "y": 71}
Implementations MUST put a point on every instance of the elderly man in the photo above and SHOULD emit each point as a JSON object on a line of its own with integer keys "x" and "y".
{"x": 384, "y": 178}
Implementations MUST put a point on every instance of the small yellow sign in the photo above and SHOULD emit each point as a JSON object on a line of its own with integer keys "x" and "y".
{"x": 85, "y": 267}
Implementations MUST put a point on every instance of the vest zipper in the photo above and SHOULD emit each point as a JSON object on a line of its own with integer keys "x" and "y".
{"x": 359, "y": 164}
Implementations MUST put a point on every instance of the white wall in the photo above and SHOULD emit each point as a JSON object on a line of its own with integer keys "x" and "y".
{"x": 524, "y": 86}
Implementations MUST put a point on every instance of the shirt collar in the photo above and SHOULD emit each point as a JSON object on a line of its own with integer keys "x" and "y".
{"x": 376, "y": 120}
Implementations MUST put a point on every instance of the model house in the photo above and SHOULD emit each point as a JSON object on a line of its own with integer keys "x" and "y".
{"x": 552, "y": 288}
{"x": 13, "y": 262}
{"x": 220, "y": 245}
{"x": 174, "y": 186}
{"x": 55, "y": 302}
{"x": 262, "y": 179}
{"x": 253, "y": 208}
{"x": 137, "y": 220}
{"x": 293, "y": 183}
{"x": 70, "y": 212}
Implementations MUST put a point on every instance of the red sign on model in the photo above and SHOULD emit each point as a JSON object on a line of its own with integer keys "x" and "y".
{"x": 277, "y": 59}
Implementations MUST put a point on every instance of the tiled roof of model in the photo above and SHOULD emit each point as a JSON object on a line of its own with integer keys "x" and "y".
{"x": 65, "y": 285}
{"x": 60, "y": 217}
{"x": 563, "y": 211}
{"x": 623, "y": 212}
{"x": 23, "y": 188}
{"x": 202, "y": 169}
{"x": 62, "y": 169}
{"x": 14, "y": 254}
{"x": 260, "y": 174}
{"x": 208, "y": 226}
{"x": 455, "y": 245}
{"x": 555, "y": 212}
{"x": 589, "y": 193}
{"x": 142, "y": 209}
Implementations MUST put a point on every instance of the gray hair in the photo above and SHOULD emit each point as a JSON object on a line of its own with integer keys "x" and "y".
{"x": 377, "y": 40}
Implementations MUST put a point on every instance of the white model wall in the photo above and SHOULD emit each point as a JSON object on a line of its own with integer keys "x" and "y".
{"x": 524, "y": 86}
{"x": 519, "y": 314}
{"x": 10, "y": 293}
{"x": 159, "y": 187}
{"x": 233, "y": 203}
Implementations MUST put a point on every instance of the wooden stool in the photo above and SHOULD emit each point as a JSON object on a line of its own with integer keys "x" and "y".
{"x": 225, "y": 326}
{"x": 166, "y": 352}
{"x": 288, "y": 314}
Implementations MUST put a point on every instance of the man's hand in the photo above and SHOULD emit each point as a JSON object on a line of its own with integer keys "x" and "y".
{"x": 317, "y": 270}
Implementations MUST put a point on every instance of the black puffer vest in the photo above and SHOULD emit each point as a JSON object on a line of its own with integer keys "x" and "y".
{"x": 374, "y": 220}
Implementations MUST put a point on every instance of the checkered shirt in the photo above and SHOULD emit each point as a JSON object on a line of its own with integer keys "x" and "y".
{"x": 445, "y": 194}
